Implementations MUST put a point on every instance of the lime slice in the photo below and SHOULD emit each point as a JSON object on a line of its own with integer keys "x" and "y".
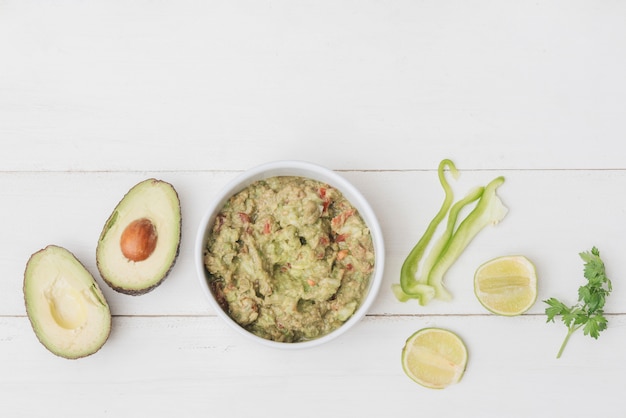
{"x": 506, "y": 285}
{"x": 434, "y": 358}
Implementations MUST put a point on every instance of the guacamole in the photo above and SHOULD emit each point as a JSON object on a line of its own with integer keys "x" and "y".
{"x": 289, "y": 258}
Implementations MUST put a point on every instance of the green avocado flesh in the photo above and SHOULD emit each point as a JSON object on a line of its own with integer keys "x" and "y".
{"x": 152, "y": 247}
{"x": 65, "y": 306}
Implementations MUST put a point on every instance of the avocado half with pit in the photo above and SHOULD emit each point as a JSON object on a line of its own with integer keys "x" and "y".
{"x": 141, "y": 239}
{"x": 65, "y": 306}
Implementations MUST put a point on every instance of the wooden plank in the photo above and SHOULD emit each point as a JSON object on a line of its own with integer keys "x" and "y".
{"x": 226, "y": 85}
{"x": 195, "y": 366}
{"x": 553, "y": 216}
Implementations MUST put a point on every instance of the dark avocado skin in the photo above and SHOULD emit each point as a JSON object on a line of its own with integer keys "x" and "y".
{"x": 142, "y": 291}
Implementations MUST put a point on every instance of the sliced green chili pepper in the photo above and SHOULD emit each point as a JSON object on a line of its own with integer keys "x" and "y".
{"x": 412, "y": 286}
{"x": 423, "y": 280}
{"x": 440, "y": 249}
{"x": 489, "y": 210}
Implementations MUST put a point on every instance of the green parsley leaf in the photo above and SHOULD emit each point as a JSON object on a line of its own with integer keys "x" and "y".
{"x": 594, "y": 325}
{"x": 588, "y": 312}
{"x": 556, "y": 308}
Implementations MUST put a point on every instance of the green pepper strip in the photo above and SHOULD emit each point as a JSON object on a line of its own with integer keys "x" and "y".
{"x": 489, "y": 210}
{"x": 441, "y": 246}
{"x": 409, "y": 284}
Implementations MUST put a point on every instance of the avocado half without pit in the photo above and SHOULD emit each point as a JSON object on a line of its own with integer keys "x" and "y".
{"x": 141, "y": 239}
{"x": 65, "y": 306}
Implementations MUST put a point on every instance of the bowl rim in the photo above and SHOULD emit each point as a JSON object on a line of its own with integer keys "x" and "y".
{"x": 302, "y": 169}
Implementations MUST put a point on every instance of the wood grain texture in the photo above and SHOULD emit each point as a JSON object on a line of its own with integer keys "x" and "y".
{"x": 195, "y": 366}
{"x": 226, "y": 85}
{"x": 97, "y": 96}
{"x": 553, "y": 215}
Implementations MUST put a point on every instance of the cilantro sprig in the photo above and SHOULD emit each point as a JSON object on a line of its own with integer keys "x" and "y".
{"x": 588, "y": 312}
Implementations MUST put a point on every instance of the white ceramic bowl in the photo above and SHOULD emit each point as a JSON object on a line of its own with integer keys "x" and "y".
{"x": 302, "y": 169}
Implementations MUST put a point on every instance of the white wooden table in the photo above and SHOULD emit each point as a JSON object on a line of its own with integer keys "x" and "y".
{"x": 96, "y": 96}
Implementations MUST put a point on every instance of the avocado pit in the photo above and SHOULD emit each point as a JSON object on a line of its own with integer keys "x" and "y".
{"x": 139, "y": 240}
